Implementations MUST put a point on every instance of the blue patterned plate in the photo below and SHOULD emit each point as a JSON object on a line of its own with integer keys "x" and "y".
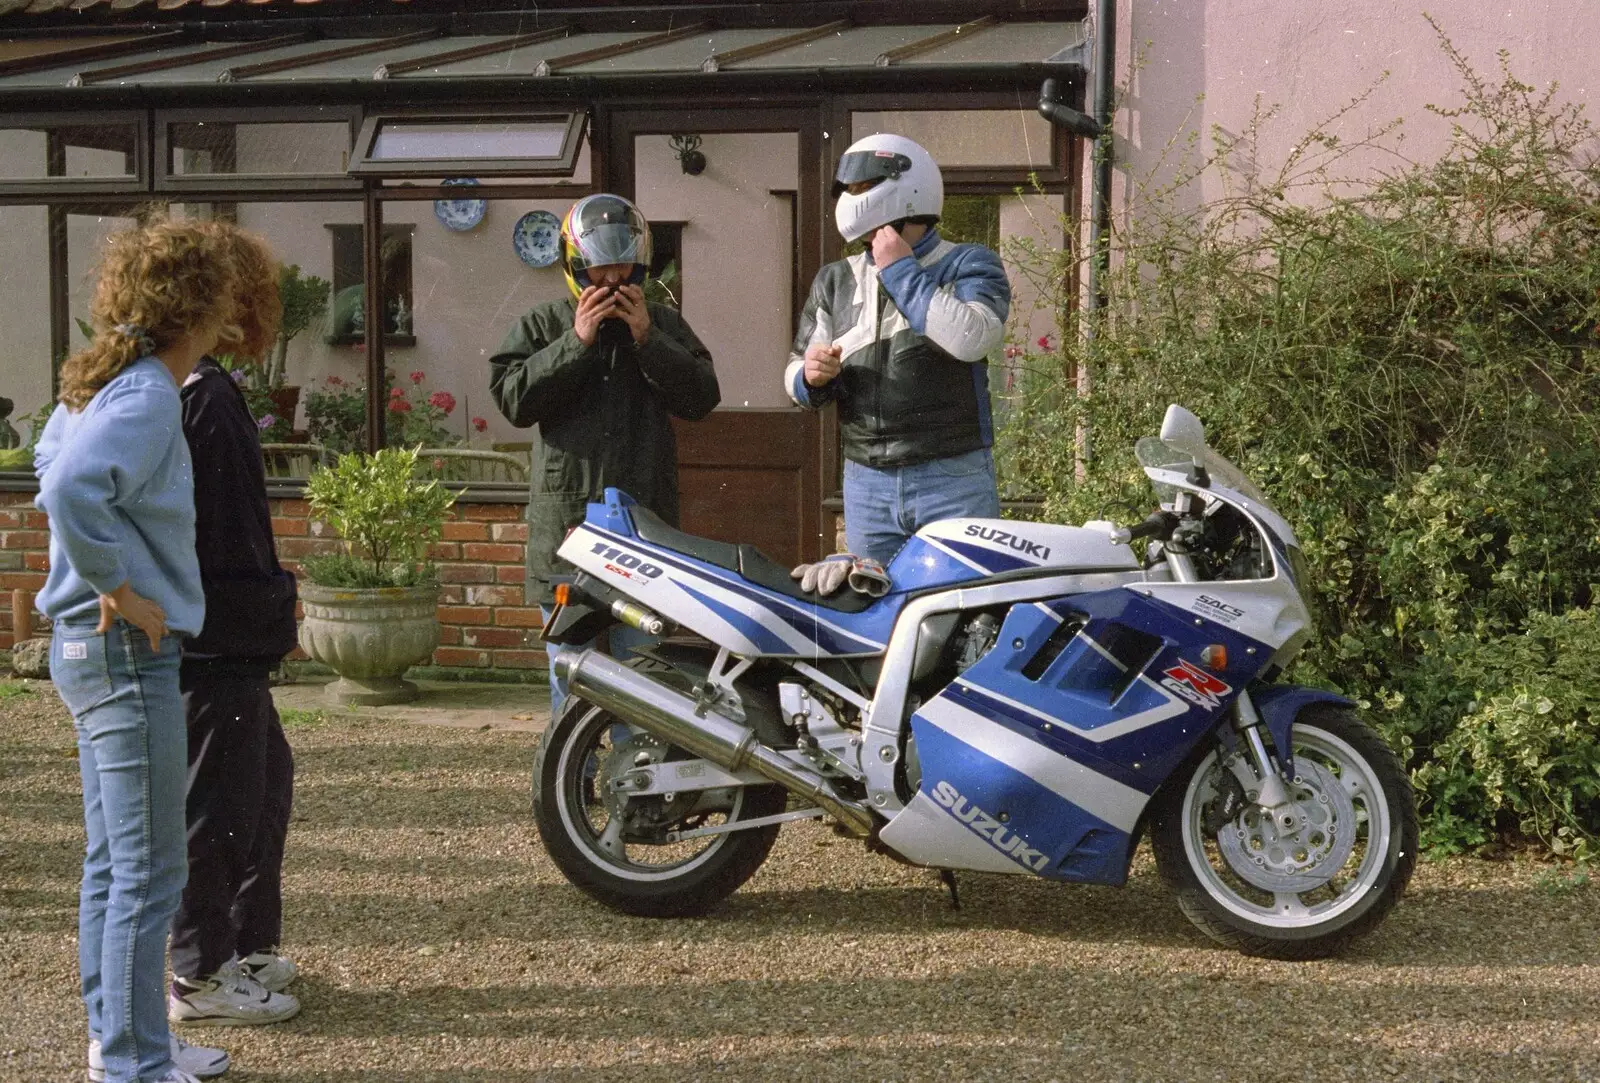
{"x": 536, "y": 238}
{"x": 459, "y": 214}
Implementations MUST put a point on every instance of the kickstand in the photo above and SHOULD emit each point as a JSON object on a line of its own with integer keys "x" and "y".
{"x": 948, "y": 878}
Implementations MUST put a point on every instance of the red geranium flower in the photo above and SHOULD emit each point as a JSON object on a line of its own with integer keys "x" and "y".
{"x": 334, "y": 381}
{"x": 480, "y": 424}
{"x": 399, "y": 406}
{"x": 443, "y": 400}
{"x": 1044, "y": 342}
{"x": 417, "y": 377}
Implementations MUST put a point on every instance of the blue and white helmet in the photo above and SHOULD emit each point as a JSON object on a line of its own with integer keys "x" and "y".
{"x": 908, "y": 184}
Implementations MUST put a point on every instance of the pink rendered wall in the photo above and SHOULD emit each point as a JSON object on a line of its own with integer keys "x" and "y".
{"x": 1310, "y": 57}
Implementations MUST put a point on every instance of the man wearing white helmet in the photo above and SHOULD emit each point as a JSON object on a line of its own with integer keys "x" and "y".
{"x": 899, "y": 337}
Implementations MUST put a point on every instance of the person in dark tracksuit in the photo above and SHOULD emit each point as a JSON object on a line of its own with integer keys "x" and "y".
{"x": 226, "y": 932}
{"x": 602, "y": 373}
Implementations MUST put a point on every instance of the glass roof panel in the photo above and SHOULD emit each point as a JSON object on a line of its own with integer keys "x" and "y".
{"x": 1008, "y": 42}
{"x": 208, "y": 71}
{"x": 685, "y": 54}
{"x": 59, "y": 77}
{"x": 362, "y": 67}
{"x": 857, "y": 47}
{"x": 21, "y": 47}
{"x": 525, "y": 61}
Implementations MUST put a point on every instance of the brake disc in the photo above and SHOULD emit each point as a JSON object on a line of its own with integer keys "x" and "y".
{"x": 1306, "y": 858}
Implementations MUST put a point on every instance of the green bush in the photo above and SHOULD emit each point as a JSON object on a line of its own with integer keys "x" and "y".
{"x": 386, "y": 515}
{"x": 1410, "y": 366}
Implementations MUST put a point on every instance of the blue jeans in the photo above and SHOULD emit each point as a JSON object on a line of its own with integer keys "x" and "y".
{"x": 885, "y": 506}
{"x": 624, "y": 641}
{"x": 132, "y": 754}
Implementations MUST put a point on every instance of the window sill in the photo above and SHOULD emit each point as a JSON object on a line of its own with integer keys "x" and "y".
{"x": 361, "y": 340}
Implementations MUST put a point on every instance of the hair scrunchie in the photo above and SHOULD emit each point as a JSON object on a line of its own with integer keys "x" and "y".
{"x": 141, "y": 337}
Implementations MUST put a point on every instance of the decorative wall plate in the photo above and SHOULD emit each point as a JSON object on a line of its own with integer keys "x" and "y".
{"x": 459, "y": 214}
{"x": 536, "y": 238}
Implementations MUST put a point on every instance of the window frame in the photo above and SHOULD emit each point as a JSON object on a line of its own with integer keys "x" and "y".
{"x": 363, "y": 165}
{"x": 1055, "y": 176}
{"x": 47, "y": 188}
{"x": 186, "y": 184}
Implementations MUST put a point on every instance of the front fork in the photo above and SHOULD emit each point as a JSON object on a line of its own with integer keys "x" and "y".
{"x": 1272, "y": 793}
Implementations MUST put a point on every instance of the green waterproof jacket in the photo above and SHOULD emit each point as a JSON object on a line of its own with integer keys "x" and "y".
{"x": 604, "y": 415}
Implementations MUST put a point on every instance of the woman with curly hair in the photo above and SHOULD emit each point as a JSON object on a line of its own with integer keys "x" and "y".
{"x": 241, "y": 773}
{"x": 123, "y": 590}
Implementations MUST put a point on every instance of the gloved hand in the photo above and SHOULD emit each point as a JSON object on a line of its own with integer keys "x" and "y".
{"x": 825, "y": 576}
{"x": 868, "y": 577}
{"x": 863, "y": 574}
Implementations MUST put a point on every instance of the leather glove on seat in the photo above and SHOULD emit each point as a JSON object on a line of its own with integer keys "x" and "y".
{"x": 863, "y": 575}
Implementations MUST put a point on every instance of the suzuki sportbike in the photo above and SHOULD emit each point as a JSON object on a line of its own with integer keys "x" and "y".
{"x": 1028, "y": 698}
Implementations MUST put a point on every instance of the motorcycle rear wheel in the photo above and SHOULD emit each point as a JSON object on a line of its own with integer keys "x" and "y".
{"x": 1308, "y": 895}
{"x": 622, "y": 860}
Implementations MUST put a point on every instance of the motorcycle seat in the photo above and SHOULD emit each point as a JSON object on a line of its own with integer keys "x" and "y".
{"x": 746, "y": 561}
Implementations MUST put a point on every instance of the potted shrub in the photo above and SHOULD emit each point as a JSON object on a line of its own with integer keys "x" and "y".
{"x": 305, "y": 301}
{"x": 371, "y": 611}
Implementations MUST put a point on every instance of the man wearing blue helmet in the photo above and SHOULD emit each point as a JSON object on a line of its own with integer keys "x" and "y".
{"x": 602, "y": 373}
{"x": 899, "y": 337}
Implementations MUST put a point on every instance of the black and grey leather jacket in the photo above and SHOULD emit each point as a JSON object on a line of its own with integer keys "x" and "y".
{"x": 915, "y": 339}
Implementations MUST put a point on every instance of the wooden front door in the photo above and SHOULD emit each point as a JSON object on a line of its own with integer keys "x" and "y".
{"x": 748, "y": 233}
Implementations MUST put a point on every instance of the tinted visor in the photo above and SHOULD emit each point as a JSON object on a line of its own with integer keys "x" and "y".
{"x": 607, "y": 231}
{"x": 862, "y": 166}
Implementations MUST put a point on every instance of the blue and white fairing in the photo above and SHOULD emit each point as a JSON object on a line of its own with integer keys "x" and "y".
{"x": 955, "y": 549}
{"x": 1042, "y": 761}
{"x": 752, "y": 620}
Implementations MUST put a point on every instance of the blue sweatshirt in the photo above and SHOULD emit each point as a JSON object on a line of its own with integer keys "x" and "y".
{"x": 116, "y": 481}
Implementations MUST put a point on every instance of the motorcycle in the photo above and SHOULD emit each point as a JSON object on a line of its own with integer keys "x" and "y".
{"x": 1028, "y": 698}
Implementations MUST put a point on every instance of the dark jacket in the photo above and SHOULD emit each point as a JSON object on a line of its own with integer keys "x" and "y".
{"x": 915, "y": 339}
{"x": 604, "y": 415}
{"x": 250, "y": 598}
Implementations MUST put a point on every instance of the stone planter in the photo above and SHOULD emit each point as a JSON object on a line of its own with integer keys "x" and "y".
{"x": 369, "y": 637}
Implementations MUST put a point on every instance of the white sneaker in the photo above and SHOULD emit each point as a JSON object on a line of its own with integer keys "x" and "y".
{"x": 272, "y": 972}
{"x": 229, "y": 998}
{"x": 199, "y": 1061}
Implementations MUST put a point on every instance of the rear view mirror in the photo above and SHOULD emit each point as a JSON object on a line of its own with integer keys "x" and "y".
{"x": 1182, "y": 430}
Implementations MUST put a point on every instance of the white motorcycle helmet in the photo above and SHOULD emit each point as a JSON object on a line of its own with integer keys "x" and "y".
{"x": 907, "y": 185}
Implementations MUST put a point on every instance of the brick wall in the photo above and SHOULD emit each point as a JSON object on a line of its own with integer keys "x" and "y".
{"x": 24, "y": 549}
{"x": 484, "y": 621}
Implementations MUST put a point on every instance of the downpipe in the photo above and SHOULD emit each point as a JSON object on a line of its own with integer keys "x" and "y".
{"x": 679, "y": 720}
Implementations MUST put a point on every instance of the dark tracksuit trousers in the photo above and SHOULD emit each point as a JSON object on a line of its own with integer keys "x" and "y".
{"x": 241, "y": 785}
{"x": 241, "y": 772}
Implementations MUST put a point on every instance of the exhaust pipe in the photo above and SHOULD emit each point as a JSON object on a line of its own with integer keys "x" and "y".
{"x": 672, "y": 716}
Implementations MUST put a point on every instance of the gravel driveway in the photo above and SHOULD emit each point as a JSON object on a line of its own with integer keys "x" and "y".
{"x": 437, "y": 943}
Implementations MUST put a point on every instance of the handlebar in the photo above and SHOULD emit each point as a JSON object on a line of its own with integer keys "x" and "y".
{"x": 1156, "y": 524}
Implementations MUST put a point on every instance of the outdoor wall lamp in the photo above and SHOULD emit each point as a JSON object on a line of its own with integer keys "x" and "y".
{"x": 690, "y": 157}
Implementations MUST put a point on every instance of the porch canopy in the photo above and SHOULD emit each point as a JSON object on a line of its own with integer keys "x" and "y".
{"x": 331, "y": 127}
{"x": 395, "y": 53}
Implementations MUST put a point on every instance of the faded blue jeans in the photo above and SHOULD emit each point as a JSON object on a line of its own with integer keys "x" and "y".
{"x": 885, "y": 506}
{"x": 132, "y": 754}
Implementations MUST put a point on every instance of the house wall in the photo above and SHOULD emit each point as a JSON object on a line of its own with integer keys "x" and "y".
{"x": 1207, "y": 63}
{"x": 738, "y": 251}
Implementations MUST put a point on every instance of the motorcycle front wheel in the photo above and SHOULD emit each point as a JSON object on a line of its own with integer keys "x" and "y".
{"x": 618, "y": 848}
{"x": 1304, "y": 895}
